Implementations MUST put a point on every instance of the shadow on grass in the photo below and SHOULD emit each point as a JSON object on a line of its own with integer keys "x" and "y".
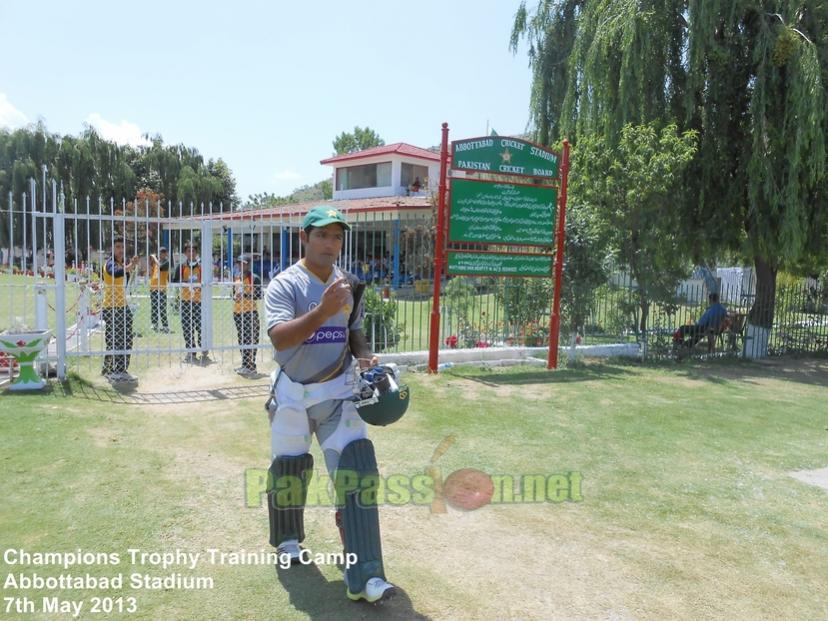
{"x": 802, "y": 369}
{"x": 310, "y": 592}
{"x": 581, "y": 373}
{"x": 80, "y": 388}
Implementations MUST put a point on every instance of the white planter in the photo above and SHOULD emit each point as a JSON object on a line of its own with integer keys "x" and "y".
{"x": 24, "y": 347}
{"x": 756, "y": 341}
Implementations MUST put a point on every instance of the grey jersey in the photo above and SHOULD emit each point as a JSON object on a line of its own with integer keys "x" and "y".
{"x": 293, "y": 293}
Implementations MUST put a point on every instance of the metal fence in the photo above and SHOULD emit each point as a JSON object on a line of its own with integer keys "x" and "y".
{"x": 800, "y": 317}
{"x": 52, "y": 254}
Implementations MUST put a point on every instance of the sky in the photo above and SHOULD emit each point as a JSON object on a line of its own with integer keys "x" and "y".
{"x": 264, "y": 85}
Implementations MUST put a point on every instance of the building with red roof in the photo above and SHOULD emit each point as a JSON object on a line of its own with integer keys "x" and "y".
{"x": 397, "y": 169}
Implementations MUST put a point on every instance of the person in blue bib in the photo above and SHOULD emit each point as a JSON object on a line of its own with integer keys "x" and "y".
{"x": 318, "y": 337}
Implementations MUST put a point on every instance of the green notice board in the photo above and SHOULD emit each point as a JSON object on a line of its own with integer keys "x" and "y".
{"x": 498, "y": 264}
{"x": 503, "y": 155}
{"x": 501, "y": 213}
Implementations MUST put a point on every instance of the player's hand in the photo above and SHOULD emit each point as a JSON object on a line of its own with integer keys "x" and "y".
{"x": 367, "y": 363}
{"x": 335, "y": 297}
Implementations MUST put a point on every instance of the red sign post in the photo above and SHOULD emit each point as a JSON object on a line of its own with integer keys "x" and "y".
{"x": 439, "y": 247}
{"x": 493, "y": 204}
{"x": 560, "y": 237}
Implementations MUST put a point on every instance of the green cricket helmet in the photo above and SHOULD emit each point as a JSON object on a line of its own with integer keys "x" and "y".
{"x": 380, "y": 398}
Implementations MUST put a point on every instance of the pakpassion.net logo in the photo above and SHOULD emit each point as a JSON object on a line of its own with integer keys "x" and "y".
{"x": 466, "y": 489}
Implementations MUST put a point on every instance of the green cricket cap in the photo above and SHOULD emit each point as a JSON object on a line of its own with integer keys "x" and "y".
{"x": 323, "y": 215}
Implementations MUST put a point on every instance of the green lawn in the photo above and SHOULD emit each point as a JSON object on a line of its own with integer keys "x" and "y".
{"x": 687, "y": 509}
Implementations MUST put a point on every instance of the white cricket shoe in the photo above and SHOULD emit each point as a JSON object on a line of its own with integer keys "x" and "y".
{"x": 291, "y": 548}
{"x": 376, "y": 590}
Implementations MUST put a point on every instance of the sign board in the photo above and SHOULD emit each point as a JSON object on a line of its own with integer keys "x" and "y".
{"x": 505, "y": 156}
{"x": 498, "y": 264}
{"x": 501, "y": 213}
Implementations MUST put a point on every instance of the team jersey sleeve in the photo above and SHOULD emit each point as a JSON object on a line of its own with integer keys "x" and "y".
{"x": 279, "y": 302}
{"x": 356, "y": 324}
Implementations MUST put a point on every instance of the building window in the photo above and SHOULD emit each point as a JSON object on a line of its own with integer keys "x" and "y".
{"x": 412, "y": 173}
{"x": 365, "y": 176}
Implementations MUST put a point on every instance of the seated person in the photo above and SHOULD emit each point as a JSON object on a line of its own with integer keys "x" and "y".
{"x": 711, "y": 321}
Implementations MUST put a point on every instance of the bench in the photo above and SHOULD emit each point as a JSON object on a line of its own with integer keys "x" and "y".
{"x": 728, "y": 333}
{"x": 731, "y": 333}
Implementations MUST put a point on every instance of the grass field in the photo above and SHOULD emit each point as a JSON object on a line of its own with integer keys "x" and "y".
{"x": 687, "y": 509}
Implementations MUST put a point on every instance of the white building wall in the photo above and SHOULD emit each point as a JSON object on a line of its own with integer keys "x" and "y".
{"x": 395, "y": 189}
{"x": 396, "y": 176}
{"x": 363, "y": 193}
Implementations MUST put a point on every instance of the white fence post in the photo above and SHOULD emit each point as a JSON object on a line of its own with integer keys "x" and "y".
{"x": 41, "y": 323}
{"x": 206, "y": 286}
{"x": 58, "y": 233}
{"x": 33, "y": 198}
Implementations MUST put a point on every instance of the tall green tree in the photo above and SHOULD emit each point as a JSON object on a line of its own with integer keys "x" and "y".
{"x": 360, "y": 139}
{"x": 89, "y": 166}
{"x": 221, "y": 171}
{"x": 628, "y": 191}
{"x": 587, "y": 261}
{"x": 748, "y": 75}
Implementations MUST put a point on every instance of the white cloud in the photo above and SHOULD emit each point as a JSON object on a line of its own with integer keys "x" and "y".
{"x": 121, "y": 133}
{"x": 288, "y": 174}
{"x": 9, "y": 115}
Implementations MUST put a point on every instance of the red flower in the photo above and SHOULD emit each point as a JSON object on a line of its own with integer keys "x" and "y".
{"x": 21, "y": 343}
{"x": 451, "y": 341}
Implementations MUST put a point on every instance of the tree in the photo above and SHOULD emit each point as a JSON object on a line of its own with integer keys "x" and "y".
{"x": 750, "y": 76}
{"x": 629, "y": 190}
{"x": 525, "y": 301}
{"x": 87, "y": 165}
{"x": 326, "y": 185}
{"x": 460, "y": 296}
{"x": 586, "y": 263}
{"x": 221, "y": 171}
{"x": 196, "y": 187}
{"x": 140, "y": 236}
{"x": 358, "y": 140}
{"x": 319, "y": 191}
{"x": 264, "y": 200}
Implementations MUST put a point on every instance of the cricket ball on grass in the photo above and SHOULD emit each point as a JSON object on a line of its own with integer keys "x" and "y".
{"x": 468, "y": 489}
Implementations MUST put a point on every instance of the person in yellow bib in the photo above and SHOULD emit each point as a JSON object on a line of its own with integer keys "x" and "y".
{"x": 116, "y": 314}
{"x": 158, "y": 291}
{"x": 247, "y": 288}
{"x": 189, "y": 274}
